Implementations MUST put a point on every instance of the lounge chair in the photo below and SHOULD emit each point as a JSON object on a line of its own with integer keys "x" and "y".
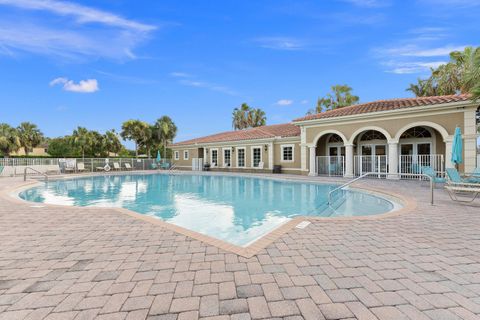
{"x": 80, "y": 167}
{"x": 260, "y": 165}
{"x": 475, "y": 176}
{"x": 166, "y": 165}
{"x": 116, "y": 166}
{"x": 431, "y": 173}
{"x": 468, "y": 188}
{"x": 1, "y": 169}
{"x": 455, "y": 177}
{"x": 127, "y": 166}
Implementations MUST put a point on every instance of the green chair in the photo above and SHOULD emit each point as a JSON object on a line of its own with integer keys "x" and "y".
{"x": 1, "y": 169}
{"x": 431, "y": 173}
{"x": 475, "y": 176}
{"x": 455, "y": 177}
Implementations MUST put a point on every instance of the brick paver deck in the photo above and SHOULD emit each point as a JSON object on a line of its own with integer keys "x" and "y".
{"x": 58, "y": 263}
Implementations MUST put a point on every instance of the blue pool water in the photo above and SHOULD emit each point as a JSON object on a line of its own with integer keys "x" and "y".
{"x": 235, "y": 209}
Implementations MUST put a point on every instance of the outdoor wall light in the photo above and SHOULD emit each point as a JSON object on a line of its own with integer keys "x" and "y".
{"x": 266, "y": 147}
{"x": 233, "y": 149}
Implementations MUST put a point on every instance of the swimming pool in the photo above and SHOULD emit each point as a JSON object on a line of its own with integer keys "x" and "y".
{"x": 236, "y": 209}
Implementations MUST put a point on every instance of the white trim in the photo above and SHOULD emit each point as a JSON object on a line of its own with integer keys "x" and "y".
{"x": 329, "y": 131}
{"x": 186, "y": 154}
{"x": 176, "y": 155}
{"x": 244, "y": 156}
{"x": 283, "y": 146}
{"x": 223, "y": 157}
{"x": 252, "y": 159}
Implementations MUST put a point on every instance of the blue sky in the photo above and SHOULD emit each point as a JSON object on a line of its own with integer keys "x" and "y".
{"x": 99, "y": 63}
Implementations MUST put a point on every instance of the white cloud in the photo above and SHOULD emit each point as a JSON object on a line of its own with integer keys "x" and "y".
{"x": 64, "y": 32}
{"x": 280, "y": 43}
{"x": 82, "y": 14}
{"x": 84, "y": 86}
{"x": 416, "y": 51}
{"x": 413, "y": 67}
{"x": 190, "y": 80}
{"x": 305, "y": 101}
{"x": 284, "y": 102}
{"x": 177, "y": 74}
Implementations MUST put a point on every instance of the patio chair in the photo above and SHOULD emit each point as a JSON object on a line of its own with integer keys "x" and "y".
{"x": 431, "y": 173}
{"x": 454, "y": 190}
{"x": 166, "y": 165}
{"x": 260, "y": 165}
{"x": 475, "y": 176}
{"x": 116, "y": 166}
{"x": 80, "y": 167}
{"x": 153, "y": 166}
{"x": 127, "y": 166}
{"x": 455, "y": 177}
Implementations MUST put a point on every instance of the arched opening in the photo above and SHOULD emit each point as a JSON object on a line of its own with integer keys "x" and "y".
{"x": 420, "y": 146}
{"x": 330, "y": 154}
{"x": 371, "y": 152}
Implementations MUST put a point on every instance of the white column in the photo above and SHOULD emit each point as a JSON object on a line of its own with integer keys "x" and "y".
{"x": 270, "y": 156}
{"x": 470, "y": 140}
{"x": 448, "y": 154}
{"x": 393, "y": 160}
{"x": 313, "y": 151}
{"x": 303, "y": 149}
{"x": 349, "y": 160}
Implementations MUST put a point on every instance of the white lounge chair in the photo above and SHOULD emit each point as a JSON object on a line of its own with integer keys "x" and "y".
{"x": 470, "y": 189}
{"x": 116, "y": 166}
{"x": 80, "y": 167}
{"x": 127, "y": 166}
{"x": 260, "y": 165}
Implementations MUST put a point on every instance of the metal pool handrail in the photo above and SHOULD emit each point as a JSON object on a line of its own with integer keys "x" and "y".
{"x": 35, "y": 170}
{"x": 387, "y": 174}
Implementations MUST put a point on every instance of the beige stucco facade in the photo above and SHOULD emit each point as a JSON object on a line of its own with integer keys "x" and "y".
{"x": 439, "y": 120}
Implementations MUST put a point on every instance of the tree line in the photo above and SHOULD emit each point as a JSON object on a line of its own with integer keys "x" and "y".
{"x": 83, "y": 142}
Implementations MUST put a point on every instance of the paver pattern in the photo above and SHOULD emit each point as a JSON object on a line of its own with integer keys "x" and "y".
{"x": 59, "y": 263}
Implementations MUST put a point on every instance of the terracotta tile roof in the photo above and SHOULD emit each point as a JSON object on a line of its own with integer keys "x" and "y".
{"x": 385, "y": 105}
{"x": 264, "y": 132}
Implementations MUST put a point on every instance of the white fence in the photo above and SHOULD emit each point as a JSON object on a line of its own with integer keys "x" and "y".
{"x": 16, "y": 166}
{"x": 413, "y": 164}
{"x": 364, "y": 164}
{"x": 330, "y": 165}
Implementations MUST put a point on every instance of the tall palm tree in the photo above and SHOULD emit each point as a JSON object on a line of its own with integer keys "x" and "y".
{"x": 9, "y": 140}
{"x": 137, "y": 131}
{"x": 111, "y": 142}
{"x": 29, "y": 135}
{"x": 246, "y": 117}
{"x": 164, "y": 131}
{"x": 82, "y": 139}
{"x": 339, "y": 97}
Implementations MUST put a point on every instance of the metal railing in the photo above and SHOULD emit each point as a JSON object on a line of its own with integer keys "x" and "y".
{"x": 330, "y": 165}
{"x": 420, "y": 175}
{"x": 34, "y": 170}
{"x": 16, "y": 166}
{"x": 364, "y": 164}
{"x": 414, "y": 163}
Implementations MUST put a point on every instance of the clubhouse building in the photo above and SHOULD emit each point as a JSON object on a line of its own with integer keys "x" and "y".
{"x": 387, "y": 136}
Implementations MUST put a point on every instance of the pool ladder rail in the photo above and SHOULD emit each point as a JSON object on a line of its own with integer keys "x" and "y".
{"x": 420, "y": 175}
{"x": 34, "y": 170}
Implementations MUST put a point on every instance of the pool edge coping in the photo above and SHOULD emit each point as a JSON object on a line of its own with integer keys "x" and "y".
{"x": 408, "y": 205}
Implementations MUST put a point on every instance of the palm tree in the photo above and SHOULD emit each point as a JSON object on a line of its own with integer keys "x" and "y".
{"x": 111, "y": 142}
{"x": 29, "y": 135}
{"x": 339, "y": 97}
{"x": 257, "y": 118}
{"x": 137, "y": 131}
{"x": 9, "y": 140}
{"x": 164, "y": 131}
{"x": 82, "y": 139}
{"x": 246, "y": 117}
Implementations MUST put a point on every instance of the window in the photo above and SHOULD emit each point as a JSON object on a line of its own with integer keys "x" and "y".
{"x": 227, "y": 156}
{"x": 240, "y": 157}
{"x": 416, "y": 132}
{"x": 372, "y": 135}
{"x": 287, "y": 153}
{"x": 256, "y": 156}
{"x": 214, "y": 155}
{"x": 334, "y": 138}
{"x": 185, "y": 155}
{"x": 177, "y": 155}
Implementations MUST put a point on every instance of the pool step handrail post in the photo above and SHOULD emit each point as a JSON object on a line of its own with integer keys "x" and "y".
{"x": 420, "y": 175}
{"x": 34, "y": 170}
